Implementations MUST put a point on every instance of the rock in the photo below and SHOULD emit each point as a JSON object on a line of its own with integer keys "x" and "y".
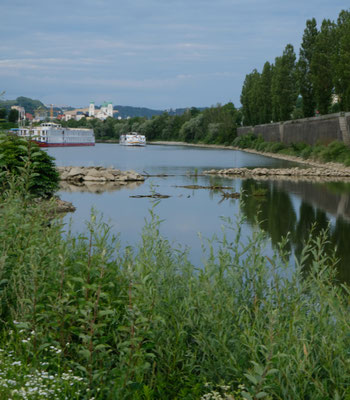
{"x": 74, "y": 171}
{"x": 94, "y": 178}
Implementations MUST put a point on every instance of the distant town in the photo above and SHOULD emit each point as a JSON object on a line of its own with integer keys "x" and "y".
{"x": 30, "y": 110}
{"x": 91, "y": 112}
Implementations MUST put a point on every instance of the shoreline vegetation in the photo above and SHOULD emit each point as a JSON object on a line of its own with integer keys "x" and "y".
{"x": 82, "y": 319}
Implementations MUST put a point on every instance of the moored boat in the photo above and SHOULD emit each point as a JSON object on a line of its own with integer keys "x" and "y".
{"x": 49, "y": 134}
{"x": 132, "y": 139}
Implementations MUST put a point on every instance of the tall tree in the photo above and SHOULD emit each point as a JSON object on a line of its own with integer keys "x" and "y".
{"x": 322, "y": 66}
{"x": 304, "y": 70}
{"x": 284, "y": 88}
{"x": 342, "y": 60}
{"x": 266, "y": 108}
{"x": 251, "y": 98}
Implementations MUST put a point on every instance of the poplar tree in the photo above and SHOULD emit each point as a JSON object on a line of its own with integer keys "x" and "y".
{"x": 304, "y": 68}
{"x": 284, "y": 87}
{"x": 322, "y": 66}
{"x": 266, "y": 109}
{"x": 342, "y": 60}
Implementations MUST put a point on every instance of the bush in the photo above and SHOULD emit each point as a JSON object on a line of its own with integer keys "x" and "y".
{"x": 147, "y": 324}
{"x": 245, "y": 141}
{"x": 335, "y": 151}
{"x": 306, "y": 152}
{"x": 19, "y": 157}
{"x": 276, "y": 147}
{"x": 299, "y": 147}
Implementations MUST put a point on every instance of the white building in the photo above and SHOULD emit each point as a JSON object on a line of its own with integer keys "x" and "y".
{"x": 103, "y": 113}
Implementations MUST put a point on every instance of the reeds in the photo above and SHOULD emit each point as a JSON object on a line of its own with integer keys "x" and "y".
{"x": 144, "y": 323}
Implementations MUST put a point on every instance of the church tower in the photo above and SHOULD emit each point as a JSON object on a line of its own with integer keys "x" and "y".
{"x": 92, "y": 109}
{"x": 110, "y": 109}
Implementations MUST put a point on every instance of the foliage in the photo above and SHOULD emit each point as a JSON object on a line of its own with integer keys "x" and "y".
{"x": 322, "y": 67}
{"x": 29, "y": 105}
{"x": 319, "y": 78}
{"x": 217, "y": 125}
{"x": 284, "y": 89}
{"x": 304, "y": 68}
{"x": 147, "y": 324}
{"x": 3, "y": 113}
{"x": 335, "y": 151}
{"x": 13, "y": 116}
{"x": 21, "y": 157}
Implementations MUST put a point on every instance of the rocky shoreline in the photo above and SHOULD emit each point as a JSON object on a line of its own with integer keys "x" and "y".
{"x": 81, "y": 175}
{"x": 282, "y": 172}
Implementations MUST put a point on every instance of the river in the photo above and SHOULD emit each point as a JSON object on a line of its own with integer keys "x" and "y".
{"x": 286, "y": 206}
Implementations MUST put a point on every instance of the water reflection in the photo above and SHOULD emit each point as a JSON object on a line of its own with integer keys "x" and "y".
{"x": 288, "y": 205}
{"x": 97, "y": 187}
{"x": 321, "y": 206}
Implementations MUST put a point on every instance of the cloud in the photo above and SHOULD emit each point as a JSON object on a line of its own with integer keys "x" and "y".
{"x": 164, "y": 49}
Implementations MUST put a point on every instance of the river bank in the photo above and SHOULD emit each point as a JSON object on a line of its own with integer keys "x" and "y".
{"x": 338, "y": 170}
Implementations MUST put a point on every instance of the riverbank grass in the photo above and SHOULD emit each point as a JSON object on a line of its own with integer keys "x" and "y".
{"x": 334, "y": 152}
{"x": 83, "y": 319}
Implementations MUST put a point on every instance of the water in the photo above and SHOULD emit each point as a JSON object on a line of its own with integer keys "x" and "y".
{"x": 287, "y": 206}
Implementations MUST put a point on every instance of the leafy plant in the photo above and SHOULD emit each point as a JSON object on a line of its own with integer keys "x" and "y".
{"x": 20, "y": 157}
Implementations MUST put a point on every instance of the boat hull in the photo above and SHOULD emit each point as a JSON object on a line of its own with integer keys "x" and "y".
{"x": 42, "y": 144}
{"x": 134, "y": 144}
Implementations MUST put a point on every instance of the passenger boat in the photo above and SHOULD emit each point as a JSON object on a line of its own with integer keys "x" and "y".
{"x": 132, "y": 139}
{"x": 49, "y": 134}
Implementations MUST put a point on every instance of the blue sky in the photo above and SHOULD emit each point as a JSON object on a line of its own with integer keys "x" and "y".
{"x": 153, "y": 53}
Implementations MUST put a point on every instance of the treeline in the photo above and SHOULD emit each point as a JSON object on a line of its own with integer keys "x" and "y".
{"x": 217, "y": 125}
{"x": 29, "y": 104}
{"x": 318, "y": 82}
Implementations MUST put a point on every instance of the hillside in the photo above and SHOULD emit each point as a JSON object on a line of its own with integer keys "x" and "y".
{"x": 29, "y": 105}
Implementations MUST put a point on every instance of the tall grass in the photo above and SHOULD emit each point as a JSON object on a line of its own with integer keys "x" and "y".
{"x": 144, "y": 323}
{"x": 333, "y": 152}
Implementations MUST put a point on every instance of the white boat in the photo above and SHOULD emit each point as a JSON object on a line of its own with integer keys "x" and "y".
{"x": 132, "y": 139}
{"x": 49, "y": 134}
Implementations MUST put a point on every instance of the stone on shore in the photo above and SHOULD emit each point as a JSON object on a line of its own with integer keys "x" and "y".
{"x": 296, "y": 171}
{"x": 97, "y": 174}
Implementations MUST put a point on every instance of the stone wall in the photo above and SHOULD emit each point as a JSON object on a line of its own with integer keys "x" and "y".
{"x": 323, "y": 129}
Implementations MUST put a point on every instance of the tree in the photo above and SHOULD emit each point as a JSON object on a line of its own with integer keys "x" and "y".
{"x": 13, "y": 115}
{"x": 192, "y": 130}
{"x": 3, "y": 113}
{"x": 284, "y": 88}
{"x": 342, "y": 61}
{"x": 19, "y": 156}
{"x": 251, "y": 98}
{"x": 322, "y": 66}
{"x": 266, "y": 101}
{"x": 304, "y": 68}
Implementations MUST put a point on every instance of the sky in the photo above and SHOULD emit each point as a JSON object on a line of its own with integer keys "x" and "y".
{"x": 158, "y": 54}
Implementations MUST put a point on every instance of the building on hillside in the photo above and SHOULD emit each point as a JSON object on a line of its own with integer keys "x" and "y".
{"x": 103, "y": 113}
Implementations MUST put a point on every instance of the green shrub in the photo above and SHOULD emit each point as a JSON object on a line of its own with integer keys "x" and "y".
{"x": 306, "y": 152}
{"x": 21, "y": 157}
{"x": 245, "y": 141}
{"x": 147, "y": 324}
{"x": 276, "y": 147}
{"x": 263, "y": 146}
{"x": 317, "y": 150}
{"x": 299, "y": 147}
{"x": 335, "y": 151}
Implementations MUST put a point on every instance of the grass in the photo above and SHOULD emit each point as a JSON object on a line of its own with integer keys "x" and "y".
{"x": 82, "y": 319}
{"x": 334, "y": 152}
